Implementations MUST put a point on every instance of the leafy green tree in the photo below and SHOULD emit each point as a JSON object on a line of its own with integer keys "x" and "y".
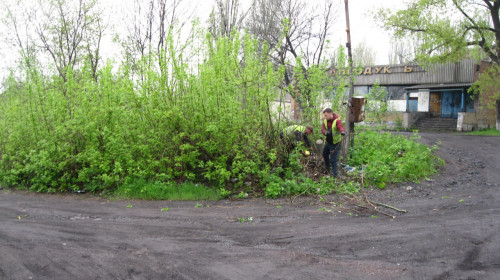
{"x": 449, "y": 30}
{"x": 377, "y": 102}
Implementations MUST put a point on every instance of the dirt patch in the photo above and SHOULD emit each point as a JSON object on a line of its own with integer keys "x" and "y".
{"x": 450, "y": 231}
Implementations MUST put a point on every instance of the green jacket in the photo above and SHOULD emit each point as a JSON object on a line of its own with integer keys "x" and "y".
{"x": 300, "y": 133}
{"x": 293, "y": 128}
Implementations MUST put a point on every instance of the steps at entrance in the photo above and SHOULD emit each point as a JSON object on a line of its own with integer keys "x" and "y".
{"x": 448, "y": 124}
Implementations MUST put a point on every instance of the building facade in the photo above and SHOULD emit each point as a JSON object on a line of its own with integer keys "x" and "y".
{"x": 439, "y": 91}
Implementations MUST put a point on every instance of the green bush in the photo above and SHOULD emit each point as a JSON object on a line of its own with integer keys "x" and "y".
{"x": 388, "y": 158}
{"x": 290, "y": 179}
{"x": 136, "y": 130}
{"x": 212, "y": 124}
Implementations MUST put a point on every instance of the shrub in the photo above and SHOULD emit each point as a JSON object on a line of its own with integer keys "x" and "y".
{"x": 388, "y": 158}
{"x": 212, "y": 124}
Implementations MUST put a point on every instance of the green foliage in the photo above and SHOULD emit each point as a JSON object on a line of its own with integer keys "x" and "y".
{"x": 163, "y": 129}
{"x": 348, "y": 187}
{"x": 289, "y": 182}
{"x": 341, "y": 81}
{"x": 325, "y": 209}
{"x": 243, "y": 220}
{"x": 224, "y": 193}
{"x": 376, "y": 105}
{"x": 448, "y": 31}
{"x": 436, "y": 23}
{"x": 309, "y": 88}
{"x": 489, "y": 132}
{"x": 242, "y": 195}
{"x": 488, "y": 84}
{"x": 388, "y": 158}
{"x": 141, "y": 189}
{"x": 208, "y": 124}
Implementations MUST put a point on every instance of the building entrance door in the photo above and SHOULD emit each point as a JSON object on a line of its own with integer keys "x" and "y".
{"x": 435, "y": 104}
{"x": 450, "y": 104}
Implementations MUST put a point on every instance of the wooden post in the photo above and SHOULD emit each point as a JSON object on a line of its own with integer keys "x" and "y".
{"x": 349, "y": 124}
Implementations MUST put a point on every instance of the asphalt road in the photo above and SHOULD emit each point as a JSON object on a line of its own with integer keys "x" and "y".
{"x": 451, "y": 231}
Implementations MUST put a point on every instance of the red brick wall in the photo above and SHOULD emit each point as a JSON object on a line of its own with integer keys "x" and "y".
{"x": 485, "y": 102}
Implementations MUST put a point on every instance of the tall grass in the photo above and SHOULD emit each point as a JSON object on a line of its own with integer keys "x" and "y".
{"x": 142, "y": 189}
{"x": 388, "y": 158}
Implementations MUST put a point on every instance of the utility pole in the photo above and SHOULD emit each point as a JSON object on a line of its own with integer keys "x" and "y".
{"x": 349, "y": 123}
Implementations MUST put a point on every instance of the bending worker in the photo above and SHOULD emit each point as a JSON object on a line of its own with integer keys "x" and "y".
{"x": 334, "y": 131}
{"x": 300, "y": 133}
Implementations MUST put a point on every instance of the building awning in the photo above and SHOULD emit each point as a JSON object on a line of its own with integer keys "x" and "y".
{"x": 434, "y": 86}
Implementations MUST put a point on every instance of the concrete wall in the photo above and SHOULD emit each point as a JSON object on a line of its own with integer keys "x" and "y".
{"x": 390, "y": 120}
{"x": 475, "y": 121}
{"x": 396, "y": 105}
{"x": 423, "y": 100}
{"x": 392, "y": 105}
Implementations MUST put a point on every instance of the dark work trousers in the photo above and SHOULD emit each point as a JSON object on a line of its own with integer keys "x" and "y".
{"x": 330, "y": 155}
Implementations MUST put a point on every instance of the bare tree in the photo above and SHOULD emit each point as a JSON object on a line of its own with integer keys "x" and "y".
{"x": 402, "y": 51}
{"x": 153, "y": 21}
{"x": 363, "y": 55}
{"x": 17, "y": 21}
{"x": 65, "y": 32}
{"x": 292, "y": 27}
{"x": 226, "y": 16}
{"x": 70, "y": 32}
{"x": 295, "y": 31}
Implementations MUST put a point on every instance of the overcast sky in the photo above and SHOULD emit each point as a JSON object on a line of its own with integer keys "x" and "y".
{"x": 361, "y": 17}
{"x": 363, "y": 26}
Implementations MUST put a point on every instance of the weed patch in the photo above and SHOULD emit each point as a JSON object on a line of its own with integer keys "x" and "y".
{"x": 388, "y": 158}
{"x": 290, "y": 182}
{"x": 486, "y": 132}
{"x": 141, "y": 189}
